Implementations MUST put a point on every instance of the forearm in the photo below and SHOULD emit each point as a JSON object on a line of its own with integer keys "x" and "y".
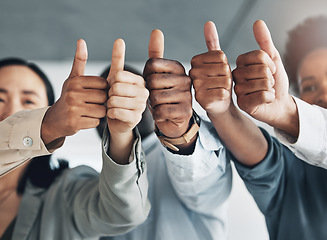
{"x": 311, "y": 144}
{"x": 241, "y": 136}
{"x": 288, "y": 121}
{"x": 49, "y": 133}
{"x": 120, "y": 146}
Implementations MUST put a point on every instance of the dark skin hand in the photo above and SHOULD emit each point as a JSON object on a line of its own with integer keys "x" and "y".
{"x": 170, "y": 99}
{"x": 81, "y": 103}
{"x": 212, "y": 81}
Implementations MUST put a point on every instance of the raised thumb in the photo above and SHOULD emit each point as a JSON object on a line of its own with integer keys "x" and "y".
{"x": 156, "y": 44}
{"x": 211, "y": 36}
{"x": 79, "y": 59}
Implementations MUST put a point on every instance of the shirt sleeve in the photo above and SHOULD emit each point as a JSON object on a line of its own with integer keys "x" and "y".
{"x": 266, "y": 180}
{"x": 21, "y": 139}
{"x": 114, "y": 203}
{"x": 203, "y": 179}
{"x": 311, "y": 145}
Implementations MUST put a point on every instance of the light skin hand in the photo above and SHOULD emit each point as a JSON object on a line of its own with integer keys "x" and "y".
{"x": 170, "y": 99}
{"x": 212, "y": 81}
{"x": 127, "y": 98}
{"x": 80, "y": 105}
{"x": 261, "y": 84}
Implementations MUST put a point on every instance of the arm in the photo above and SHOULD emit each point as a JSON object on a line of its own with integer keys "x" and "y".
{"x": 15, "y": 131}
{"x": 311, "y": 143}
{"x": 117, "y": 202}
{"x": 198, "y": 171}
{"x": 212, "y": 82}
{"x": 266, "y": 181}
{"x": 126, "y": 103}
{"x": 85, "y": 205}
{"x": 80, "y": 106}
{"x": 261, "y": 85}
{"x": 170, "y": 100}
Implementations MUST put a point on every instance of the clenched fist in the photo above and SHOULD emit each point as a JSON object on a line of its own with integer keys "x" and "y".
{"x": 261, "y": 84}
{"x": 211, "y": 75}
{"x": 127, "y": 94}
{"x": 81, "y": 104}
{"x": 170, "y": 90}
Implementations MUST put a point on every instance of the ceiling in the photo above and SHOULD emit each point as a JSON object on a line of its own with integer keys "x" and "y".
{"x": 48, "y": 30}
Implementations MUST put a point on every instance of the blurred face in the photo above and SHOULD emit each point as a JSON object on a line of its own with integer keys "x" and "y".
{"x": 313, "y": 78}
{"x": 20, "y": 88}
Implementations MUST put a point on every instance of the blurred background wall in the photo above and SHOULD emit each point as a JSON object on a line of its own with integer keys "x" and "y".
{"x": 48, "y": 30}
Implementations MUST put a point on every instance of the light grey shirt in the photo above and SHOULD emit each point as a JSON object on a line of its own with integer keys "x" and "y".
{"x": 188, "y": 194}
{"x": 82, "y": 204}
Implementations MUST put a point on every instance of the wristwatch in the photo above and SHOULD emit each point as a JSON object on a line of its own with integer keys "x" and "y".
{"x": 185, "y": 138}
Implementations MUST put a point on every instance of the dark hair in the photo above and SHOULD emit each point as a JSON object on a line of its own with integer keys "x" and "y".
{"x": 146, "y": 125}
{"x": 38, "y": 171}
{"x": 303, "y": 39}
{"x": 21, "y": 62}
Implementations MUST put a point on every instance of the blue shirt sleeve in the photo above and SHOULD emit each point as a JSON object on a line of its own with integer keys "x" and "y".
{"x": 266, "y": 180}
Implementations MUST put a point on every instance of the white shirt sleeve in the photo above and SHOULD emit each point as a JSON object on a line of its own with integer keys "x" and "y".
{"x": 311, "y": 145}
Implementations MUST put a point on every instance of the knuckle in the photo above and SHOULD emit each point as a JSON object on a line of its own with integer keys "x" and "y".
{"x": 236, "y": 74}
{"x": 96, "y": 122}
{"x": 266, "y": 84}
{"x": 227, "y": 82}
{"x": 102, "y": 111}
{"x": 178, "y": 64}
{"x": 264, "y": 70}
{"x": 111, "y": 101}
{"x": 119, "y": 75}
{"x": 261, "y": 55}
{"x": 103, "y": 96}
{"x": 226, "y": 68}
{"x": 115, "y": 87}
{"x": 70, "y": 98}
{"x": 238, "y": 89}
{"x": 197, "y": 83}
{"x": 150, "y": 81}
{"x": 223, "y": 56}
{"x": 199, "y": 96}
{"x": 146, "y": 93}
{"x": 194, "y": 60}
{"x": 113, "y": 113}
{"x": 239, "y": 59}
{"x": 151, "y": 61}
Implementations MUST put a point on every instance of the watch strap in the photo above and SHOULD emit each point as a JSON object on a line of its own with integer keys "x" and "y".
{"x": 185, "y": 138}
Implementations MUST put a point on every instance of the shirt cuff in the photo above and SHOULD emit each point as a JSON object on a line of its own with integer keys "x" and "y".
{"x": 136, "y": 158}
{"x": 311, "y": 145}
{"x": 21, "y": 139}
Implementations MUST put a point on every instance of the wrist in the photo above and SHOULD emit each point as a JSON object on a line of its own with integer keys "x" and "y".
{"x": 186, "y": 141}
{"x": 122, "y": 137}
{"x": 231, "y": 113}
{"x": 120, "y": 146}
{"x": 49, "y": 133}
{"x": 288, "y": 120}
